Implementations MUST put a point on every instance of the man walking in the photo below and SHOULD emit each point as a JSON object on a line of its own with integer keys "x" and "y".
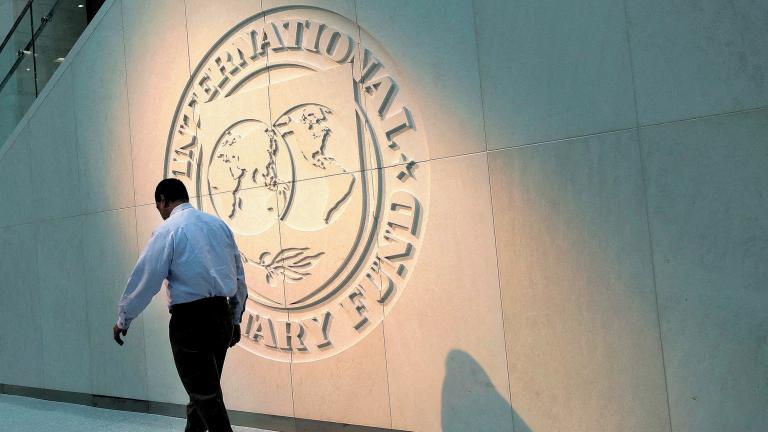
{"x": 197, "y": 254}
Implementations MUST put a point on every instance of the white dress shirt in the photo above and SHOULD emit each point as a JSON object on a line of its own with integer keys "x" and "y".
{"x": 197, "y": 254}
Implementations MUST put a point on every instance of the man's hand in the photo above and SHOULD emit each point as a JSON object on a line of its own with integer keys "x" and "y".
{"x": 117, "y": 332}
{"x": 235, "y": 336}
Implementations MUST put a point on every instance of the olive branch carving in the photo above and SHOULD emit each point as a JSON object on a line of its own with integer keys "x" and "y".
{"x": 292, "y": 263}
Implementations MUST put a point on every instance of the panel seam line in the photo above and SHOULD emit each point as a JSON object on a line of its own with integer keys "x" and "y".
{"x": 646, "y": 210}
{"x": 493, "y": 216}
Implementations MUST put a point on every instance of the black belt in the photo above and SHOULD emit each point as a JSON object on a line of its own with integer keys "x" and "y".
{"x": 207, "y": 303}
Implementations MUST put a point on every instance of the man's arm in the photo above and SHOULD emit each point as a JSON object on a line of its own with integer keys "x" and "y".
{"x": 237, "y": 301}
{"x": 146, "y": 279}
{"x": 241, "y": 295}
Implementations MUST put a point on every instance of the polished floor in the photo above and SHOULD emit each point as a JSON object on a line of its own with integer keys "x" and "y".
{"x": 20, "y": 414}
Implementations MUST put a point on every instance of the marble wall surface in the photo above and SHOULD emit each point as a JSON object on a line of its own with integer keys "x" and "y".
{"x": 575, "y": 195}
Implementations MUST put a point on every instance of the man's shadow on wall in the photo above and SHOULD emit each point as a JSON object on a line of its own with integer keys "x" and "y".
{"x": 470, "y": 402}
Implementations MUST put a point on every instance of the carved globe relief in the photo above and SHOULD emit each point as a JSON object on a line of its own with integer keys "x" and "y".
{"x": 315, "y": 173}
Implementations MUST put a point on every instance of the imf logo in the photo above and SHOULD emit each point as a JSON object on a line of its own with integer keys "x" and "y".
{"x": 296, "y": 130}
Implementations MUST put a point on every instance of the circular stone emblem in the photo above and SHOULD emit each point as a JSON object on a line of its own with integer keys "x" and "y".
{"x": 298, "y": 131}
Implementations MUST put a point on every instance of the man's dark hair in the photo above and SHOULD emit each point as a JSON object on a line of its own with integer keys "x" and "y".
{"x": 172, "y": 190}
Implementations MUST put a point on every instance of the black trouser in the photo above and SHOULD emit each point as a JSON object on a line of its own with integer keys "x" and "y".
{"x": 200, "y": 332}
